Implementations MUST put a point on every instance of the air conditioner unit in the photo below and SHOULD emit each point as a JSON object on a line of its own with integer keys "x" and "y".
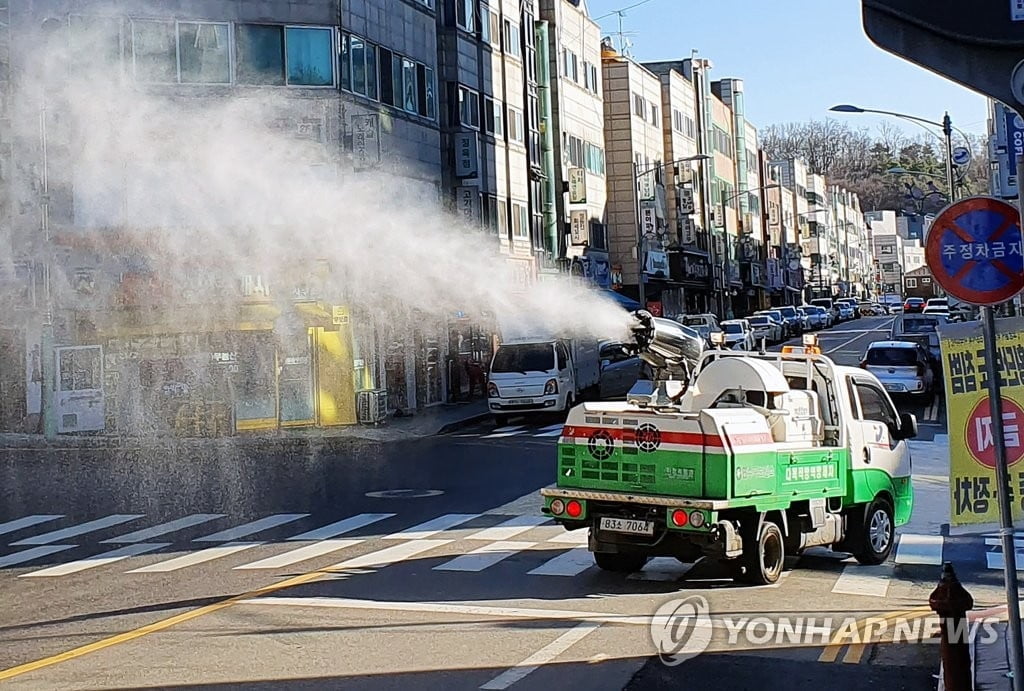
{"x": 372, "y": 406}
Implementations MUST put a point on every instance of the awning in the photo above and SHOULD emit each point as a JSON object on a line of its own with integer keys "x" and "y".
{"x": 625, "y": 302}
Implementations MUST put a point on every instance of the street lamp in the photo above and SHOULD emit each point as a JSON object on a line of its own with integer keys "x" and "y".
{"x": 637, "y": 174}
{"x": 946, "y": 126}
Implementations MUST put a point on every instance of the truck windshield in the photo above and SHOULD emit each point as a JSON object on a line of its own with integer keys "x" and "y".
{"x": 892, "y": 357}
{"x": 528, "y": 357}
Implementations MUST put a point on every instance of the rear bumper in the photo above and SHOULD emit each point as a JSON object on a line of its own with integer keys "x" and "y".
{"x": 647, "y": 499}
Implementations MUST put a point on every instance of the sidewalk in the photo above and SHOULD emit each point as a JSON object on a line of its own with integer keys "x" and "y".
{"x": 432, "y": 421}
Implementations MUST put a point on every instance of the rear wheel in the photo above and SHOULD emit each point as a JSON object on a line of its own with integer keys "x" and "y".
{"x": 763, "y": 556}
{"x": 619, "y": 562}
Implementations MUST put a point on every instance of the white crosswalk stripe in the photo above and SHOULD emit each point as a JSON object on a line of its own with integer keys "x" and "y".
{"x": 919, "y": 549}
{"x": 200, "y": 557}
{"x": 110, "y": 557}
{"x": 571, "y": 537}
{"x": 389, "y": 555}
{"x": 252, "y": 527}
{"x": 433, "y": 526}
{"x": 483, "y": 557}
{"x": 26, "y": 522}
{"x": 26, "y": 555}
{"x": 317, "y": 549}
{"x": 343, "y": 526}
{"x": 872, "y": 581}
{"x": 504, "y": 432}
{"x": 570, "y": 563}
{"x": 80, "y": 529}
{"x": 510, "y": 528}
{"x": 163, "y": 528}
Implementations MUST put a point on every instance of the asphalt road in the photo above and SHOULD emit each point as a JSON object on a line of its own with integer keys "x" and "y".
{"x": 416, "y": 564}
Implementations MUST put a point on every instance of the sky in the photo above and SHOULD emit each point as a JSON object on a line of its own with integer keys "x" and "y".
{"x": 797, "y": 58}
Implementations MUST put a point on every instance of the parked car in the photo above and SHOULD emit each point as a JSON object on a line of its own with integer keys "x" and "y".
{"x": 765, "y": 328}
{"x": 852, "y": 304}
{"x": 738, "y": 334}
{"x": 902, "y": 367}
{"x": 939, "y": 306}
{"x": 793, "y": 320}
{"x": 816, "y": 317}
{"x": 619, "y": 369}
{"x": 846, "y": 311}
{"x": 828, "y": 305}
{"x": 825, "y": 316}
{"x": 921, "y": 329}
{"x": 913, "y": 305}
{"x": 867, "y": 309}
{"x": 805, "y": 319}
{"x": 704, "y": 324}
{"x": 788, "y": 329}
{"x": 896, "y": 308}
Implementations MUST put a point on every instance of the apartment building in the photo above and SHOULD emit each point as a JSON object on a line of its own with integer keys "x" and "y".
{"x": 353, "y": 86}
{"x": 637, "y": 220}
{"x": 887, "y": 248}
{"x": 576, "y": 181}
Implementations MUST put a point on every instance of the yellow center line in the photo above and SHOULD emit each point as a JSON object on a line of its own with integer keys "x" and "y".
{"x": 161, "y": 625}
{"x": 845, "y": 637}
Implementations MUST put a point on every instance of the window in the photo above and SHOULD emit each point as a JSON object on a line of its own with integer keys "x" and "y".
{"x": 154, "y": 52}
{"x": 875, "y": 407}
{"x": 204, "y": 53}
{"x": 467, "y": 107}
{"x": 260, "y": 58}
{"x": 490, "y": 27}
{"x": 639, "y": 106}
{"x": 926, "y": 281}
{"x": 387, "y": 87}
{"x": 520, "y": 224}
{"x": 357, "y": 57}
{"x": 911, "y": 282}
{"x": 429, "y": 94}
{"x": 397, "y": 89}
{"x": 887, "y": 249}
{"x": 371, "y": 71}
{"x": 655, "y": 120}
{"x": 411, "y": 103}
{"x": 494, "y": 117}
{"x": 511, "y": 39}
{"x": 502, "y": 218}
{"x": 465, "y": 14}
{"x": 516, "y": 131}
{"x": 309, "y": 54}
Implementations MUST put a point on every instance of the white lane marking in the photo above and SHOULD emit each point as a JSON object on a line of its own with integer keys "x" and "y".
{"x": 33, "y": 553}
{"x": 552, "y": 428}
{"x": 542, "y": 656}
{"x": 252, "y": 527}
{"x": 27, "y": 522}
{"x": 571, "y": 563}
{"x": 433, "y": 526}
{"x": 80, "y": 529}
{"x": 510, "y": 528}
{"x": 994, "y": 560}
{"x": 863, "y": 580}
{"x": 509, "y": 433}
{"x": 580, "y": 536}
{"x": 317, "y": 549}
{"x": 114, "y": 555}
{"x": 343, "y": 526}
{"x": 483, "y": 557}
{"x": 389, "y": 555}
{"x": 193, "y": 558}
{"x": 553, "y": 433}
{"x": 510, "y": 428}
{"x": 919, "y": 549}
{"x": 163, "y": 528}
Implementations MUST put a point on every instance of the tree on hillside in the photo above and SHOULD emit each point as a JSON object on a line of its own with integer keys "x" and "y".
{"x": 859, "y": 160}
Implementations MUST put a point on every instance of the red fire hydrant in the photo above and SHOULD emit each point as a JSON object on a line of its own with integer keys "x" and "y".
{"x": 952, "y": 602}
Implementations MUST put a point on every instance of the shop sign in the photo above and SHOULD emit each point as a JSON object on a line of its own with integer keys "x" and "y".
{"x": 577, "y": 186}
{"x": 228, "y": 360}
{"x": 465, "y": 155}
{"x": 972, "y": 478}
{"x": 339, "y": 315}
{"x": 695, "y": 268}
{"x": 648, "y": 221}
{"x": 685, "y": 200}
{"x": 616, "y": 276}
{"x": 687, "y": 231}
{"x": 656, "y": 264}
{"x": 365, "y": 140}
{"x": 468, "y": 200}
{"x": 579, "y": 227}
{"x": 646, "y": 184}
{"x": 655, "y": 308}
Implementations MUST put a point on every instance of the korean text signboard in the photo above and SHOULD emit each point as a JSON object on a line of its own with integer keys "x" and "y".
{"x": 972, "y": 478}
{"x": 974, "y": 251}
{"x": 577, "y": 186}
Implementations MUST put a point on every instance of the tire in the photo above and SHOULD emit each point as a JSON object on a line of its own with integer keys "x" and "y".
{"x": 764, "y": 557}
{"x": 501, "y": 420}
{"x": 619, "y": 562}
{"x": 876, "y": 535}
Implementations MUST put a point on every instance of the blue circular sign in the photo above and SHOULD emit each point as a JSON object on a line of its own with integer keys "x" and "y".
{"x": 974, "y": 251}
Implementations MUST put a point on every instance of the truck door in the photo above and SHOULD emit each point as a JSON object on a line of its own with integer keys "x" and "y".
{"x": 875, "y": 421}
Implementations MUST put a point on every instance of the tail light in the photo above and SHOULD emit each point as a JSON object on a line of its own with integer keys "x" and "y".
{"x": 574, "y": 509}
{"x": 551, "y": 387}
{"x": 492, "y": 390}
{"x": 557, "y": 506}
{"x": 679, "y": 518}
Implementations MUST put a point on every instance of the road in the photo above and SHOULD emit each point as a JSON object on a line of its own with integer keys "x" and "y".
{"x": 419, "y": 564}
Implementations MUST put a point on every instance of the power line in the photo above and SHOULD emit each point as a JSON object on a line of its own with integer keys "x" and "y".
{"x": 620, "y": 11}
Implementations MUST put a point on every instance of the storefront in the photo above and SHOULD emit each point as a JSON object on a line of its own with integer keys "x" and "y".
{"x": 470, "y": 349}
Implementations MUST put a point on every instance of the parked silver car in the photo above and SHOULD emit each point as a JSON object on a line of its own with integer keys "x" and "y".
{"x": 765, "y": 328}
{"x": 903, "y": 367}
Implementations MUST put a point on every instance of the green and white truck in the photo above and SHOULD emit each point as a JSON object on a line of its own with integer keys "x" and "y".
{"x": 740, "y": 457}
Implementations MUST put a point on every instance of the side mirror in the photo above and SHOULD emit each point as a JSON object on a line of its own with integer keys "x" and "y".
{"x": 908, "y": 426}
{"x": 605, "y": 363}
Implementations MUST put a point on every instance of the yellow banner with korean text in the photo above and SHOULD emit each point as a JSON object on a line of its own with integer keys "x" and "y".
{"x": 972, "y": 477}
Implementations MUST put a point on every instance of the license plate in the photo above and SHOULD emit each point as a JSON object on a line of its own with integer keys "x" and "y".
{"x": 521, "y": 401}
{"x": 627, "y": 525}
{"x": 894, "y": 387}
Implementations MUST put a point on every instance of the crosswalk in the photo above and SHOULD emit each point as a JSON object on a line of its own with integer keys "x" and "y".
{"x": 521, "y": 430}
{"x": 47, "y": 546}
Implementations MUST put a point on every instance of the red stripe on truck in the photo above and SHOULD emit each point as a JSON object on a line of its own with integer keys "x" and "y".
{"x": 692, "y": 438}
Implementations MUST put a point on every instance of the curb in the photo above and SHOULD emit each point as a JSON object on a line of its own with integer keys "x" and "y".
{"x": 465, "y": 422}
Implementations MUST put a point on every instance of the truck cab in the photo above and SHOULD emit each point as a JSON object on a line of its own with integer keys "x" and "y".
{"x": 762, "y": 455}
